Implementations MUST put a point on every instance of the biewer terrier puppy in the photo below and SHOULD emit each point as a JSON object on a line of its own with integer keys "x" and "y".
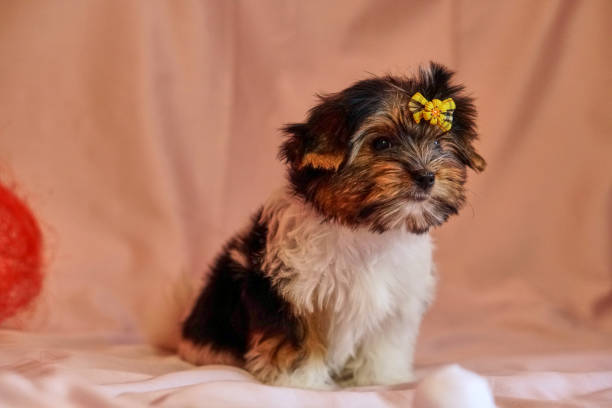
{"x": 328, "y": 283}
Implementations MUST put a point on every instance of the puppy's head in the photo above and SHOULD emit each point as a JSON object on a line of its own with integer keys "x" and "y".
{"x": 362, "y": 159}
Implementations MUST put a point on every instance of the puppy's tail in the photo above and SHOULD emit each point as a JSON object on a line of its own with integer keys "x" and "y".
{"x": 165, "y": 313}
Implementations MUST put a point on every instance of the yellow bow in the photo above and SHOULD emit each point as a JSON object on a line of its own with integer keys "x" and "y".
{"x": 438, "y": 113}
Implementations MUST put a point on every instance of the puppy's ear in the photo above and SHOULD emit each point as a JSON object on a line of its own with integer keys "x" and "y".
{"x": 437, "y": 81}
{"x": 471, "y": 158}
{"x": 322, "y": 141}
{"x": 465, "y": 134}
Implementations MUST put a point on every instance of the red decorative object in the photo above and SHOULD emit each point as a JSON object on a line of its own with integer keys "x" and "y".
{"x": 20, "y": 255}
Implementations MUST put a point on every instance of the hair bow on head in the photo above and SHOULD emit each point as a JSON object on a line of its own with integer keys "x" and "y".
{"x": 438, "y": 113}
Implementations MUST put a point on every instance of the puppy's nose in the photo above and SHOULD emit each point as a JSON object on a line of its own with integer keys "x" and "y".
{"x": 424, "y": 179}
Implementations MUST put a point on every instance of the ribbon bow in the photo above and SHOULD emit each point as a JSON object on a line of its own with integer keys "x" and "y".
{"x": 438, "y": 113}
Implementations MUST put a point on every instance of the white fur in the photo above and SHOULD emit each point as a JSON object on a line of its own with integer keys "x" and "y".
{"x": 312, "y": 374}
{"x": 374, "y": 287}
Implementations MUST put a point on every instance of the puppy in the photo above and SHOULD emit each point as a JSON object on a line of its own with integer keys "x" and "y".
{"x": 329, "y": 281}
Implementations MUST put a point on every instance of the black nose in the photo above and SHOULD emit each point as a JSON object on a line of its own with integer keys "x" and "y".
{"x": 424, "y": 179}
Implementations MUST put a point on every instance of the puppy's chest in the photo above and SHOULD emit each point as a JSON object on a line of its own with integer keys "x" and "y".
{"x": 352, "y": 279}
{"x": 372, "y": 278}
{"x": 393, "y": 281}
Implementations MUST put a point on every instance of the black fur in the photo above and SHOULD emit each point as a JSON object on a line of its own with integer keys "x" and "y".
{"x": 241, "y": 299}
{"x": 329, "y": 130}
{"x": 238, "y": 301}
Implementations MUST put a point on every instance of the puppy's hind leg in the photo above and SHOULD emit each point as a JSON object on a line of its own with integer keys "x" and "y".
{"x": 277, "y": 360}
{"x": 204, "y": 354}
{"x": 216, "y": 330}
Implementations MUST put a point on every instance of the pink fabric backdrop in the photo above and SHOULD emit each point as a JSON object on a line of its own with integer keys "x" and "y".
{"x": 144, "y": 133}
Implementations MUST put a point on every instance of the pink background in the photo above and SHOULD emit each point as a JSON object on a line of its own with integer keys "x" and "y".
{"x": 143, "y": 134}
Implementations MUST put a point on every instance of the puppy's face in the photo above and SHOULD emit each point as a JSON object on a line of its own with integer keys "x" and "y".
{"x": 362, "y": 160}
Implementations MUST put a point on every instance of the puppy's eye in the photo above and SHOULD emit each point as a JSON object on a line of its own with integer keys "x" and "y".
{"x": 381, "y": 143}
{"x": 436, "y": 143}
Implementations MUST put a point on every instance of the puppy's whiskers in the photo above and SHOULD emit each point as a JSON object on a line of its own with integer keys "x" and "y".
{"x": 334, "y": 272}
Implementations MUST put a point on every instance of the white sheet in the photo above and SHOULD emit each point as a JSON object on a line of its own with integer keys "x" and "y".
{"x": 115, "y": 371}
{"x": 142, "y": 134}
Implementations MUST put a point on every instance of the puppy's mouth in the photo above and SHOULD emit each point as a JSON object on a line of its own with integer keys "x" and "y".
{"x": 419, "y": 196}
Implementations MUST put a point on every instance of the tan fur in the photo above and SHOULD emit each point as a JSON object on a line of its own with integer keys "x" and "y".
{"x": 478, "y": 163}
{"x": 270, "y": 357}
{"x": 447, "y": 179}
{"x": 344, "y": 204}
{"x": 204, "y": 354}
{"x": 327, "y": 161}
{"x": 345, "y": 248}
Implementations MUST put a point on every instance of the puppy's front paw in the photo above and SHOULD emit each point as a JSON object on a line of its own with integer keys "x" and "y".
{"x": 364, "y": 378}
{"x": 313, "y": 382}
{"x": 363, "y": 371}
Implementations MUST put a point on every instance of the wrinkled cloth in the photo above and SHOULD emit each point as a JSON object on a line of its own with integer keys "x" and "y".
{"x": 113, "y": 371}
{"x": 144, "y": 134}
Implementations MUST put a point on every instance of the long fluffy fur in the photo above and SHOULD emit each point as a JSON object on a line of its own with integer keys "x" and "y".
{"x": 329, "y": 282}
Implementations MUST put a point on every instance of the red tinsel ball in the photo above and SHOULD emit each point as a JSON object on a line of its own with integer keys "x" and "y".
{"x": 20, "y": 255}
